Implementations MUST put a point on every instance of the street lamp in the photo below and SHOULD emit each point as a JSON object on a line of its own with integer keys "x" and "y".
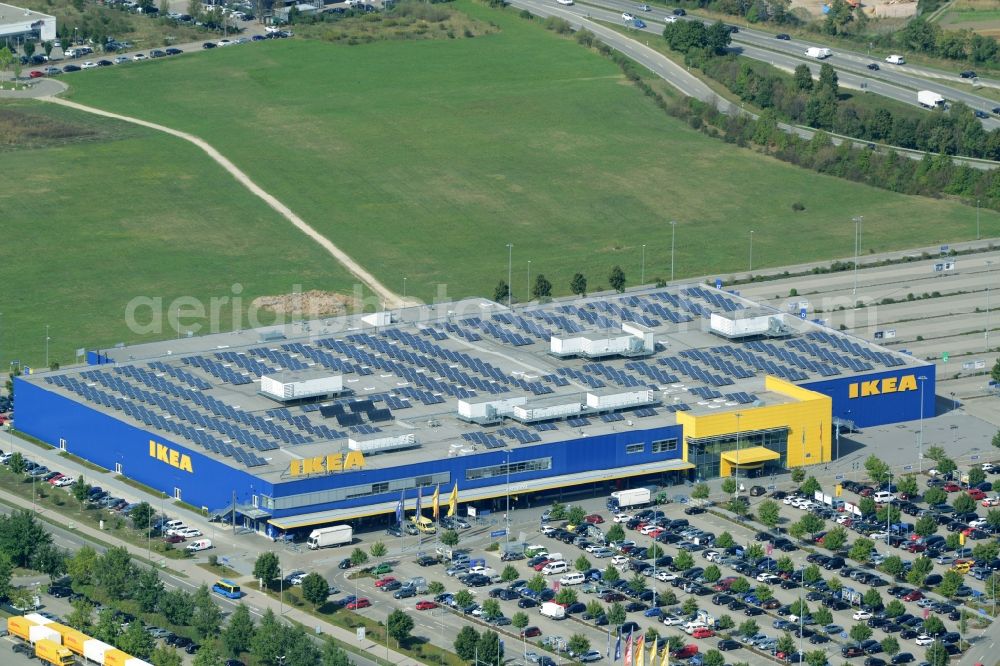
{"x": 506, "y": 515}
{"x": 510, "y": 290}
{"x": 404, "y": 291}
{"x": 920, "y": 459}
{"x": 977, "y": 219}
{"x": 987, "y": 334}
{"x": 737, "y": 454}
{"x": 751, "y": 251}
{"x": 673, "y": 235}
{"x": 857, "y": 248}
{"x": 642, "y": 271}
{"x": 529, "y": 278}
{"x": 46, "y": 346}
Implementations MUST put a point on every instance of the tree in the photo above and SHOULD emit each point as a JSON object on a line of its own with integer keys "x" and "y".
{"x": 616, "y": 278}
{"x": 713, "y": 658}
{"x": 610, "y": 574}
{"x": 115, "y": 573}
{"x": 893, "y": 565}
{"x": 835, "y": 538}
{"x": 508, "y": 574}
{"x": 207, "y": 655}
{"x": 268, "y": 641}
{"x": 986, "y": 551}
{"x": 108, "y": 626}
{"x": 683, "y": 561}
{"x": 963, "y": 503}
{"x": 464, "y": 598}
{"x": 378, "y": 549}
{"x": 449, "y": 538}
{"x": 333, "y": 656}
{"x": 946, "y": 466}
{"x": 810, "y": 524}
{"x": 537, "y": 583}
{"x": 578, "y": 285}
{"x": 729, "y": 485}
{"x": 637, "y": 583}
{"x": 519, "y": 620}
{"x": 267, "y": 567}
{"x": 148, "y": 588}
{"x": 860, "y": 632}
{"x": 925, "y": 526}
{"x": 399, "y": 624}
{"x": 465, "y": 643}
{"x": 888, "y": 513}
{"x": 872, "y": 599}
{"x": 575, "y": 515}
{"x": 80, "y": 490}
{"x": 810, "y": 487}
{"x": 700, "y": 491}
{"x": 937, "y": 655}
{"x": 177, "y": 606}
{"x": 163, "y": 655}
{"x": 595, "y": 609}
{"x": 950, "y": 582}
{"x": 616, "y": 614}
{"x": 822, "y": 615}
{"x": 436, "y": 587}
{"x": 933, "y": 625}
{"x": 16, "y": 463}
{"x": 490, "y": 647}
{"x": 996, "y": 437}
{"x": 501, "y": 292}
{"x": 798, "y": 475}
{"x": 764, "y": 593}
{"x": 895, "y": 608}
{"x": 315, "y": 589}
{"x": 785, "y": 564}
{"x": 655, "y": 551}
{"x": 811, "y": 574}
{"x": 712, "y": 573}
{"x": 358, "y": 557}
{"x": 238, "y": 634}
{"x": 861, "y": 550}
{"x": 616, "y": 533}
{"x": 803, "y": 78}
{"x": 976, "y": 476}
{"x": 935, "y": 496}
{"x": 50, "y": 560}
{"x": 566, "y": 595}
{"x": 922, "y": 566}
{"x": 786, "y": 643}
{"x": 207, "y": 616}
{"x": 878, "y": 470}
{"x": 142, "y": 516}
{"x": 21, "y": 536}
{"x": 578, "y": 644}
{"x": 768, "y": 513}
{"x": 867, "y": 506}
{"x": 907, "y": 485}
{"x": 136, "y": 641}
{"x": 82, "y": 615}
{"x": 740, "y": 586}
{"x": 690, "y": 606}
{"x": 542, "y": 287}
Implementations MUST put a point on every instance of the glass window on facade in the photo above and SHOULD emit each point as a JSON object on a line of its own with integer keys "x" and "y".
{"x": 706, "y": 453}
{"x": 635, "y": 448}
{"x": 536, "y": 465}
{"x": 665, "y": 445}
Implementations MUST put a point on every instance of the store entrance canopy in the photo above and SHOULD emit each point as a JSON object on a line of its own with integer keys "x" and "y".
{"x": 754, "y": 455}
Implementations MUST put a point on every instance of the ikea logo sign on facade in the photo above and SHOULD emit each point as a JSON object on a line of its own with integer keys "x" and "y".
{"x": 872, "y": 387}
{"x": 335, "y": 462}
{"x": 173, "y": 458}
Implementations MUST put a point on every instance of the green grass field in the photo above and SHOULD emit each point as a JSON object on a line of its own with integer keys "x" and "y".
{"x": 424, "y": 159}
{"x": 91, "y": 223}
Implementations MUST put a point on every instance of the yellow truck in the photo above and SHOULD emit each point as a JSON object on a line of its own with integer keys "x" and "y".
{"x": 50, "y": 652}
{"x": 425, "y": 525}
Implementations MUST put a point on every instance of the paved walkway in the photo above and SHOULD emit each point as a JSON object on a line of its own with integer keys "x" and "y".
{"x": 35, "y": 89}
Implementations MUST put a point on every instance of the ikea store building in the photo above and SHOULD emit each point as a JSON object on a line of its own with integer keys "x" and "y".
{"x": 335, "y": 420}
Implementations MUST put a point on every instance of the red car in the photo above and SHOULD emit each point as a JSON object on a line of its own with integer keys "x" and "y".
{"x": 55, "y": 478}
{"x": 594, "y": 518}
{"x": 951, "y": 487}
{"x": 385, "y": 580}
{"x": 174, "y": 538}
{"x": 916, "y": 595}
{"x": 36, "y": 74}
{"x": 541, "y": 565}
{"x": 363, "y": 602}
{"x": 530, "y": 632}
{"x": 917, "y": 547}
{"x": 655, "y": 533}
{"x": 702, "y": 632}
{"x": 426, "y": 605}
{"x": 976, "y": 494}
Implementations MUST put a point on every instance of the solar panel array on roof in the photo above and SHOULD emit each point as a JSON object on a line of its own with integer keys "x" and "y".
{"x": 525, "y": 325}
{"x": 719, "y": 363}
{"x": 612, "y": 374}
{"x": 651, "y": 306}
{"x": 508, "y": 337}
{"x": 330, "y": 411}
{"x": 219, "y": 370}
{"x": 611, "y": 418}
{"x": 589, "y": 316}
{"x": 704, "y": 392}
{"x": 589, "y": 380}
{"x": 543, "y": 427}
{"x": 718, "y": 301}
{"x": 802, "y": 362}
{"x": 651, "y": 371}
{"x": 520, "y": 434}
{"x": 578, "y": 422}
{"x": 251, "y": 365}
{"x": 624, "y": 313}
{"x": 279, "y": 358}
{"x": 349, "y": 419}
{"x": 361, "y": 406}
{"x": 852, "y": 347}
{"x": 741, "y": 397}
{"x": 562, "y": 323}
{"x": 764, "y": 364}
{"x": 379, "y": 415}
{"x": 365, "y": 429}
{"x": 695, "y": 372}
{"x": 830, "y": 356}
{"x": 488, "y": 440}
{"x": 645, "y": 412}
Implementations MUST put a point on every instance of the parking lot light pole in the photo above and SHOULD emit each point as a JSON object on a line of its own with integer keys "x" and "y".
{"x": 857, "y": 248}
{"x": 673, "y": 236}
{"x": 510, "y": 290}
{"x": 920, "y": 454}
{"x": 736, "y": 492}
{"x": 987, "y": 333}
{"x": 642, "y": 271}
{"x": 751, "y": 252}
{"x": 506, "y": 515}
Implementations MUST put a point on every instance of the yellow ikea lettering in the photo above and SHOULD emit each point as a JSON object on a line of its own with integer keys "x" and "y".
{"x": 881, "y": 386}
{"x": 165, "y": 454}
{"x": 334, "y": 462}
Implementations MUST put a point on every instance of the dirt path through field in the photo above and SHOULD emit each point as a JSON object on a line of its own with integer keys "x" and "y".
{"x": 389, "y": 298}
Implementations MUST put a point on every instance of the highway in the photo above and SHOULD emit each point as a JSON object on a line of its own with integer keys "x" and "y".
{"x": 895, "y": 81}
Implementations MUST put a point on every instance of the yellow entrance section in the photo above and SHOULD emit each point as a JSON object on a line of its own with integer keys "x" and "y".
{"x": 748, "y": 458}
{"x": 807, "y": 416}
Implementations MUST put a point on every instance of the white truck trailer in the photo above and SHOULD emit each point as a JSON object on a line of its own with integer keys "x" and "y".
{"x": 629, "y": 499}
{"x": 930, "y": 99}
{"x": 818, "y": 52}
{"x": 335, "y": 535}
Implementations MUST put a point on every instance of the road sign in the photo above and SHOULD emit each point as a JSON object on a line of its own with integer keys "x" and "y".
{"x": 944, "y": 356}
{"x": 361, "y": 633}
{"x": 718, "y": 283}
{"x": 498, "y": 533}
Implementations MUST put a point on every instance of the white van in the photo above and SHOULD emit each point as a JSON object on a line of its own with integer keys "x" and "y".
{"x": 883, "y": 496}
{"x": 556, "y": 567}
{"x": 200, "y": 544}
{"x": 555, "y": 557}
{"x": 690, "y": 627}
{"x": 896, "y": 60}
{"x": 553, "y": 611}
{"x": 172, "y": 526}
{"x": 575, "y": 578}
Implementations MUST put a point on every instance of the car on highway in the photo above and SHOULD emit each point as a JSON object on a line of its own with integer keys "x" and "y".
{"x": 157, "y": 53}
{"x": 638, "y": 24}
{"x": 209, "y": 45}
{"x": 67, "y": 68}
{"x": 785, "y": 38}
{"x": 968, "y": 74}
{"x": 679, "y": 12}
{"x": 36, "y": 74}
{"x": 627, "y": 17}
{"x": 90, "y": 64}
{"x": 980, "y": 114}
{"x": 174, "y": 51}
{"x": 873, "y": 66}
{"x": 671, "y": 19}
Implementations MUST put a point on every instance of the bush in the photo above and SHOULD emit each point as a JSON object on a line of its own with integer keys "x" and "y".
{"x": 798, "y": 206}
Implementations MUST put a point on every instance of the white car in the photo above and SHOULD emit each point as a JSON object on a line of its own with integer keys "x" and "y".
{"x": 671, "y": 620}
{"x": 673, "y": 19}
{"x": 223, "y": 42}
{"x": 619, "y": 559}
{"x": 139, "y": 56}
{"x": 978, "y": 523}
{"x": 665, "y": 576}
{"x": 652, "y": 527}
{"x": 64, "y": 481}
{"x": 188, "y": 532}
{"x": 547, "y": 530}
{"x": 923, "y": 640}
{"x": 121, "y": 59}
{"x": 711, "y": 555}
{"x": 90, "y": 64}
{"x": 622, "y": 518}
{"x": 767, "y": 577}
{"x": 844, "y": 517}
{"x": 565, "y": 2}
{"x": 627, "y": 17}
{"x": 862, "y": 615}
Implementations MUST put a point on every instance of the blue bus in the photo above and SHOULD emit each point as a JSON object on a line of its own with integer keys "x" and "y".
{"x": 227, "y": 588}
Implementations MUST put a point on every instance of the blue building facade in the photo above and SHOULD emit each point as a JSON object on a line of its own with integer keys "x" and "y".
{"x": 880, "y": 398}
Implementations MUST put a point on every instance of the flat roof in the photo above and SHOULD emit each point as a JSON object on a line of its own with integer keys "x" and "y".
{"x": 12, "y": 14}
{"x": 202, "y": 391}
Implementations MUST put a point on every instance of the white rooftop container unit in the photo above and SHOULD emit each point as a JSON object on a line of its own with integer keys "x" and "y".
{"x": 529, "y": 413}
{"x": 285, "y": 386}
{"x": 378, "y": 318}
{"x": 594, "y": 344}
{"x": 619, "y": 400}
{"x": 746, "y": 322}
{"x": 93, "y": 650}
{"x": 37, "y": 619}
{"x": 471, "y": 409}
{"x": 377, "y": 444}
{"x": 40, "y": 631}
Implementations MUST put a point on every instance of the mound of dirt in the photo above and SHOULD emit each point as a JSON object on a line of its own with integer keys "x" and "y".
{"x": 307, "y": 304}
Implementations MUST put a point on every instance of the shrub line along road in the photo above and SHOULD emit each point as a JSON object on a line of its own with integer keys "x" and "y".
{"x": 677, "y": 76}
{"x": 390, "y": 299}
